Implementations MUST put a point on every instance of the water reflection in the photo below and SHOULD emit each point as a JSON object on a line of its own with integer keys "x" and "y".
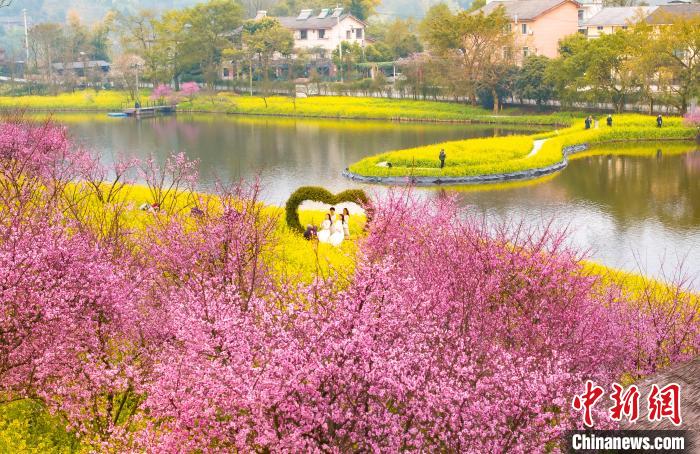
{"x": 633, "y": 212}
{"x": 285, "y": 153}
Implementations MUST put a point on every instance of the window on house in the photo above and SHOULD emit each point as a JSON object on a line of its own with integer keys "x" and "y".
{"x": 624, "y": 27}
{"x": 226, "y": 72}
{"x": 303, "y": 34}
{"x": 348, "y": 34}
{"x": 321, "y": 34}
{"x": 358, "y": 33}
{"x": 526, "y": 51}
{"x": 580, "y": 14}
{"x": 524, "y": 29}
{"x": 599, "y": 27}
{"x": 679, "y": 53}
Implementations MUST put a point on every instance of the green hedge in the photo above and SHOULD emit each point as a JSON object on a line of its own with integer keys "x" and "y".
{"x": 319, "y": 194}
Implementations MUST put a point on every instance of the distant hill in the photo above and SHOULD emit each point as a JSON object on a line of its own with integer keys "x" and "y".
{"x": 93, "y": 10}
{"x": 88, "y": 10}
{"x": 404, "y": 9}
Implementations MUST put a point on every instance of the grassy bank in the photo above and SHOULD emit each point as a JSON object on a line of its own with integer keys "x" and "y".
{"x": 367, "y": 108}
{"x": 500, "y": 155}
{"x": 88, "y": 100}
{"x": 316, "y": 107}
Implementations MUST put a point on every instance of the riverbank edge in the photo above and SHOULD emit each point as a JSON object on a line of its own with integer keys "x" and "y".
{"x": 477, "y": 121}
{"x": 519, "y": 175}
{"x": 506, "y": 120}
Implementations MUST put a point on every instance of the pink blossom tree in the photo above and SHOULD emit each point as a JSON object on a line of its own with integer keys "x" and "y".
{"x": 189, "y": 90}
{"x": 161, "y": 93}
{"x": 449, "y": 339}
{"x": 693, "y": 118}
{"x": 184, "y": 337}
{"x": 73, "y": 328}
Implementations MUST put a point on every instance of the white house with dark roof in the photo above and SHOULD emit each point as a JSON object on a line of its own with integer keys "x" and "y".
{"x": 321, "y": 31}
{"x": 324, "y": 29}
{"x": 538, "y": 25}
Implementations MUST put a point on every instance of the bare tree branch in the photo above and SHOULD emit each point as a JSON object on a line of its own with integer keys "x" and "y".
{"x": 4, "y": 3}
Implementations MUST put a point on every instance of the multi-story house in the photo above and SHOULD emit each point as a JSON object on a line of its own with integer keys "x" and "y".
{"x": 325, "y": 29}
{"x": 664, "y": 14}
{"x": 539, "y": 25}
{"x": 588, "y": 9}
{"x": 319, "y": 33}
{"x": 610, "y": 20}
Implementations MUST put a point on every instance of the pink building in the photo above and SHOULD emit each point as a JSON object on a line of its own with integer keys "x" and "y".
{"x": 539, "y": 25}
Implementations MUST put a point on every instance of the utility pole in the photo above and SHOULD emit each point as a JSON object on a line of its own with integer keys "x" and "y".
{"x": 26, "y": 38}
{"x": 340, "y": 43}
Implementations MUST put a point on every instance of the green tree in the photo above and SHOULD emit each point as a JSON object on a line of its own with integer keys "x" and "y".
{"x": 193, "y": 39}
{"x": 478, "y": 45}
{"x": 531, "y": 81}
{"x": 402, "y": 39}
{"x": 46, "y": 44}
{"x": 210, "y": 26}
{"x": 261, "y": 40}
{"x": 674, "y": 50}
{"x": 609, "y": 76}
{"x": 137, "y": 36}
{"x": 566, "y": 71}
{"x": 476, "y": 4}
{"x": 351, "y": 55}
{"x": 378, "y": 52}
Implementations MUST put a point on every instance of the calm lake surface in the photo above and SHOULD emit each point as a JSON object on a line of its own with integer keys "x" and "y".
{"x": 640, "y": 213}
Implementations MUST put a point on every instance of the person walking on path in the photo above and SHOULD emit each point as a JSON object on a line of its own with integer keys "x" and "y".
{"x": 588, "y": 122}
{"x": 442, "y": 158}
{"x": 609, "y": 120}
{"x": 659, "y": 121}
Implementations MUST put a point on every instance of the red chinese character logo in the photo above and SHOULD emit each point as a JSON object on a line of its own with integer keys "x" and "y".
{"x": 586, "y": 401}
{"x": 665, "y": 403}
{"x": 626, "y": 404}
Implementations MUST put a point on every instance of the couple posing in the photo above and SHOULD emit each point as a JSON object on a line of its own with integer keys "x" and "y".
{"x": 335, "y": 228}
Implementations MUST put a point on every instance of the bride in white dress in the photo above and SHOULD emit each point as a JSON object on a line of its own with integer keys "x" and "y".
{"x": 324, "y": 234}
{"x": 337, "y": 234}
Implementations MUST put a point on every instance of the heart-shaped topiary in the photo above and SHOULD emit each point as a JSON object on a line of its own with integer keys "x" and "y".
{"x": 318, "y": 194}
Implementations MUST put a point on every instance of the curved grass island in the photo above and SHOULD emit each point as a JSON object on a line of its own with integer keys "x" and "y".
{"x": 516, "y": 157}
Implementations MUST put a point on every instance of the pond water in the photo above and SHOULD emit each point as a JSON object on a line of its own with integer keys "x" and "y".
{"x": 640, "y": 213}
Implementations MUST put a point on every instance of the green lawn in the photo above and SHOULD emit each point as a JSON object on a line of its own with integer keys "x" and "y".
{"x": 367, "y": 108}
